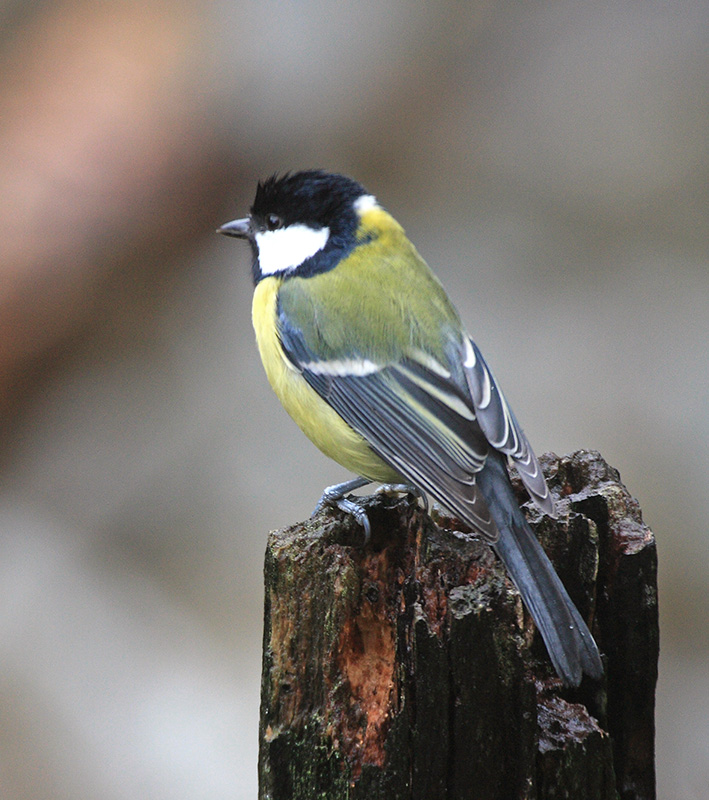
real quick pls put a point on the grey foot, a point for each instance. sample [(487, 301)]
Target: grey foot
[(404, 488), (335, 496)]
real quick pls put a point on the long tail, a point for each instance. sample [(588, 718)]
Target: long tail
[(567, 637)]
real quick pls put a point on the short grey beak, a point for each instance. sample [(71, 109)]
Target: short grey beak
[(238, 227)]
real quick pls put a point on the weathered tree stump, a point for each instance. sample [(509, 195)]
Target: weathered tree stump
[(409, 668)]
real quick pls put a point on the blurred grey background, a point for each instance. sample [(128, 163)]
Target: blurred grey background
[(550, 162)]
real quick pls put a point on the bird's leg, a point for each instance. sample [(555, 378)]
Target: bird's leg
[(405, 488), (335, 496), (337, 491)]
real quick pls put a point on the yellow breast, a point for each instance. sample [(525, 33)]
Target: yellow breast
[(318, 421)]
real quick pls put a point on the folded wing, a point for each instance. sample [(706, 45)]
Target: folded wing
[(433, 422)]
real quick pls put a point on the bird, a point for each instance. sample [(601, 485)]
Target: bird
[(369, 356)]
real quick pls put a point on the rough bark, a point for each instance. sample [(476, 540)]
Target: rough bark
[(409, 668)]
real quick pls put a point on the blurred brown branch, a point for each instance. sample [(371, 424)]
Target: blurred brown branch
[(107, 162)]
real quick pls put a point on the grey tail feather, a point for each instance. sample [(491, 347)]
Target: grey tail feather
[(567, 637)]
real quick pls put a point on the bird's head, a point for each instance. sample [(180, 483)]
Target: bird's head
[(302, 223)]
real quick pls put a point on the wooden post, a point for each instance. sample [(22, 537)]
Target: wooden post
[(409, 669)]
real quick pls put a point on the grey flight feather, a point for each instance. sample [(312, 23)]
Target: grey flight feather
[(501, 427)]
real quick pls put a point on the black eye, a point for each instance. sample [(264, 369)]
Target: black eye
[(273, 222)]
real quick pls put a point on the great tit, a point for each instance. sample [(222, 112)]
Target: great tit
[(368, 355)]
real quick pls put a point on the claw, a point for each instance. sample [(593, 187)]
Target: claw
[(360, 515), (405, 488)]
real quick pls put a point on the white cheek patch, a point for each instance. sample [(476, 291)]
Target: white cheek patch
[(286, 248)]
